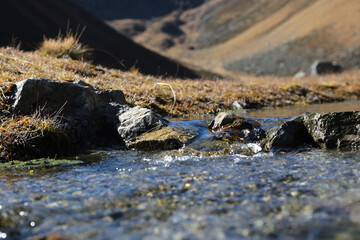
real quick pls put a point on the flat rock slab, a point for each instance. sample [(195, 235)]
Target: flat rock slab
[(167, 138)]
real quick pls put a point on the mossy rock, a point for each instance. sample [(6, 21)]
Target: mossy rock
[(39, 163), (164, 139)]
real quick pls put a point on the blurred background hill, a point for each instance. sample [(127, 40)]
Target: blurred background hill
[(231, 37), (29, 21)]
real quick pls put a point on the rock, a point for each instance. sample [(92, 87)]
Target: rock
[(299, 74), (230, 127), (238, 105), (325, 67), (167, 138), (290, 134), (137, 121), (114, 96), (339, 130), (242, 136), (89, 116), (85, 84), (226, 120)]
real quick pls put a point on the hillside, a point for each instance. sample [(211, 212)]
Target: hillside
[(231, 37), (28, 21), (135, 9)]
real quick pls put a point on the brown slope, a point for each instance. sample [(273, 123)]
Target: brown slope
[(30, 20), (265, 37)]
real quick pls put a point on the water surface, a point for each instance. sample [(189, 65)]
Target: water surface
[(305, 194)]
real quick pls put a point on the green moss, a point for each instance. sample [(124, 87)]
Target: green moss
[(164, 139), (38, 163)]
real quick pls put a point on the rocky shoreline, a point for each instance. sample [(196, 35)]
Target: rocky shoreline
[(91, 118)]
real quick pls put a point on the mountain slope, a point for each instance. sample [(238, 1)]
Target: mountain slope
[(29, 20), (276, 37), (134, 9)]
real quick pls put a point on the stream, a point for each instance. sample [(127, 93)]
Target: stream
[(115, 194)]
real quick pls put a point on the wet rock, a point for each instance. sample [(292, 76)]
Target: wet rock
[(137, 121), (325, 67), (232, 135), (89, 116), (339, 130), (164, 139), (243, 136), (226, 120), (290, 134), (230, 127)]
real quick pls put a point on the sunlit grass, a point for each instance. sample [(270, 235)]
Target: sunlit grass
[(193, 97), (65, 46), (19, 131)]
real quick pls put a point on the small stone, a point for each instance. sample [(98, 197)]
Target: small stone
[(226, 120), (299, 74)]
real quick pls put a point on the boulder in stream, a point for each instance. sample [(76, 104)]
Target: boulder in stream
[(137, 121), (230, 127), (167, 138), (226, 120), (339, 130), (290, 134)]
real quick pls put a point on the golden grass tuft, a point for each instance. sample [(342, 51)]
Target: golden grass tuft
[(65, 46), (19, 131)]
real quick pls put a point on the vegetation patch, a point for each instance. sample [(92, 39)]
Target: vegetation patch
[(20, 135), (65, 46), (37, 163), (173, 97)]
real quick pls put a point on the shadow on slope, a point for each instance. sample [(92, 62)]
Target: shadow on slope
[(28, 21)]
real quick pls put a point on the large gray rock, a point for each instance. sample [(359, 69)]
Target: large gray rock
[(325, 67), (89, 116), (339, 130), (137, 121)]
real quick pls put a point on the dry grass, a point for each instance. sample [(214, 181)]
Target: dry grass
[(65, 46), (19, 131), (192, 96)]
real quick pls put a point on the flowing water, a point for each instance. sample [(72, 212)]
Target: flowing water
[(304, 194)]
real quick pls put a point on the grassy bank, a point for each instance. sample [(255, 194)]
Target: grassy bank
[(192, 96)]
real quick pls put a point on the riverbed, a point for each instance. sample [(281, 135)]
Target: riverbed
[(116, 194)]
